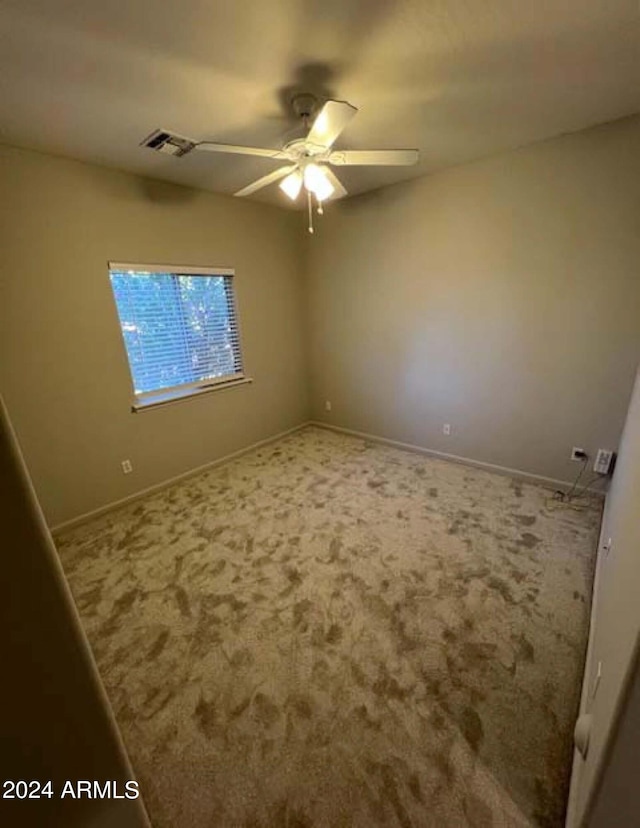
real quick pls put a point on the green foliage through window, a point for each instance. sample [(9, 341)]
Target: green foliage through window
[(178, 329)]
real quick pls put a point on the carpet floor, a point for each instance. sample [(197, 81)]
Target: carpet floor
[(329, 633)]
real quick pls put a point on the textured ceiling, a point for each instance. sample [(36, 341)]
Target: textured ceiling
[(458, 79)]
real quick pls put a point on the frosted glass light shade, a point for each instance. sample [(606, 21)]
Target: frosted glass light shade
[(292, 184), (317, 182)]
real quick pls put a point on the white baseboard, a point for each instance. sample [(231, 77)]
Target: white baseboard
[(374, 438), (117, 504), (528, 477)]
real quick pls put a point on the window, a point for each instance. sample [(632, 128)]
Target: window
[(180, 330)]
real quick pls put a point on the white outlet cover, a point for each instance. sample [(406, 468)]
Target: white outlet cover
[(603, 461), (446, 428)]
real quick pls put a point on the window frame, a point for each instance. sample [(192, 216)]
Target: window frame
[(177, 393)]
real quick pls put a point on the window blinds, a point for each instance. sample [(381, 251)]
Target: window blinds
[(180, 329)]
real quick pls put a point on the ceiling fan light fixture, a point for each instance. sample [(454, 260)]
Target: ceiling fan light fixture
[(317, 182), (292, 184), (309, 158)]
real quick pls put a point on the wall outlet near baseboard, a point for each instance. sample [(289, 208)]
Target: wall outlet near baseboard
[(127, 468), (327, 405), (603, 462), (578, 454), (446, 428)]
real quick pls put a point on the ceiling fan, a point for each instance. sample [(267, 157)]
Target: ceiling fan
[(309, 158)]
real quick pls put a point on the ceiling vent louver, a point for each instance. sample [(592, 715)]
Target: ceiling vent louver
[(168, 143)]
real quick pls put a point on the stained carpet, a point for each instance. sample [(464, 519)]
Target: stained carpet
[(328, 633)]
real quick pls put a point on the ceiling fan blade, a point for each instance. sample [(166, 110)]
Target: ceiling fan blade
[(338, 190), (265, 180), (374, 158), (211, 146), (329, 122)]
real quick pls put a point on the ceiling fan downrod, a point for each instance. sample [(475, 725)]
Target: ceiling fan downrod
[(304, 106)]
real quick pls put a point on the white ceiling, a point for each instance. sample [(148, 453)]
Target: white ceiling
[(458, 79)]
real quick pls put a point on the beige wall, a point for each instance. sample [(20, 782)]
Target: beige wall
[(502, 297), (56, 722), (63, 369), (615, 638)]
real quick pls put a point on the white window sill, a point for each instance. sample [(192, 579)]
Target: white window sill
[(170, 397)]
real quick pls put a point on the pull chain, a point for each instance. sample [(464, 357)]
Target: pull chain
[(310, 210)]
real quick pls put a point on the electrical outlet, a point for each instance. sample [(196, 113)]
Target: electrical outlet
[(578, 454), (127, 468), (604, 459), (606, 547), (446, 428), (327, 405)]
